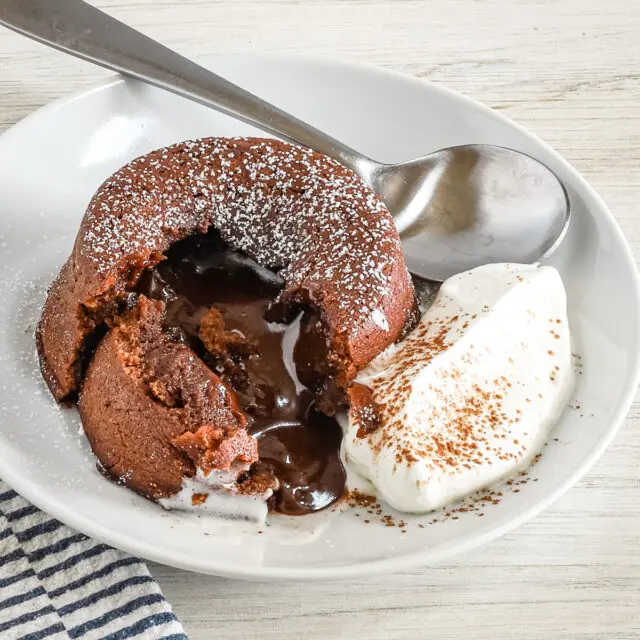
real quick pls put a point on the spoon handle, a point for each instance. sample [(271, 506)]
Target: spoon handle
[(78, 28)]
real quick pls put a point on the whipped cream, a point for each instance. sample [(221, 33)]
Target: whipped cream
[(215, 494), (470, 396)]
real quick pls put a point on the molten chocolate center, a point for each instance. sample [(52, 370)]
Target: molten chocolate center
[(298, 444)]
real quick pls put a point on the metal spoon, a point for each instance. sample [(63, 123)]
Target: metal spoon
[(455, 209)]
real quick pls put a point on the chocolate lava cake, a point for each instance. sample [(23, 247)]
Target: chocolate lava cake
[(221, 297)]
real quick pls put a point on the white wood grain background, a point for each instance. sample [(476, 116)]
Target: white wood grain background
[(570, 71)]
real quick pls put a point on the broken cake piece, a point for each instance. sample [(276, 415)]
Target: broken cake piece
[(156, 415)]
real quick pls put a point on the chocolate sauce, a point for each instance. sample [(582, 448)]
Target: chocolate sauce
[(298, 444)]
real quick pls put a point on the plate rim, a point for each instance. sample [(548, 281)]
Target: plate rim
[(410, 560)]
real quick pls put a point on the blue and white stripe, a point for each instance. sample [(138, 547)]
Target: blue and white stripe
[(56, 583)]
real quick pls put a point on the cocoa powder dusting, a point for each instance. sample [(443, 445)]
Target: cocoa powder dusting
[(466, 418), (371, 510)]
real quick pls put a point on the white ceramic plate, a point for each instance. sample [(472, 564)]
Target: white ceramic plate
[(50, 165)]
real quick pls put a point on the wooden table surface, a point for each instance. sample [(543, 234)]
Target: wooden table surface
[(570, 71)]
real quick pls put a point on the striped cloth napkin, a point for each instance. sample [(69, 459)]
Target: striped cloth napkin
[(57, 583)]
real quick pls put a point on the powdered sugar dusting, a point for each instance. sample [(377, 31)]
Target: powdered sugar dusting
[(25, 402), (380, 319), (288, 207)]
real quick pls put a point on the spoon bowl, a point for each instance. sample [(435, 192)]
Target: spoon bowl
[(469, 205)]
